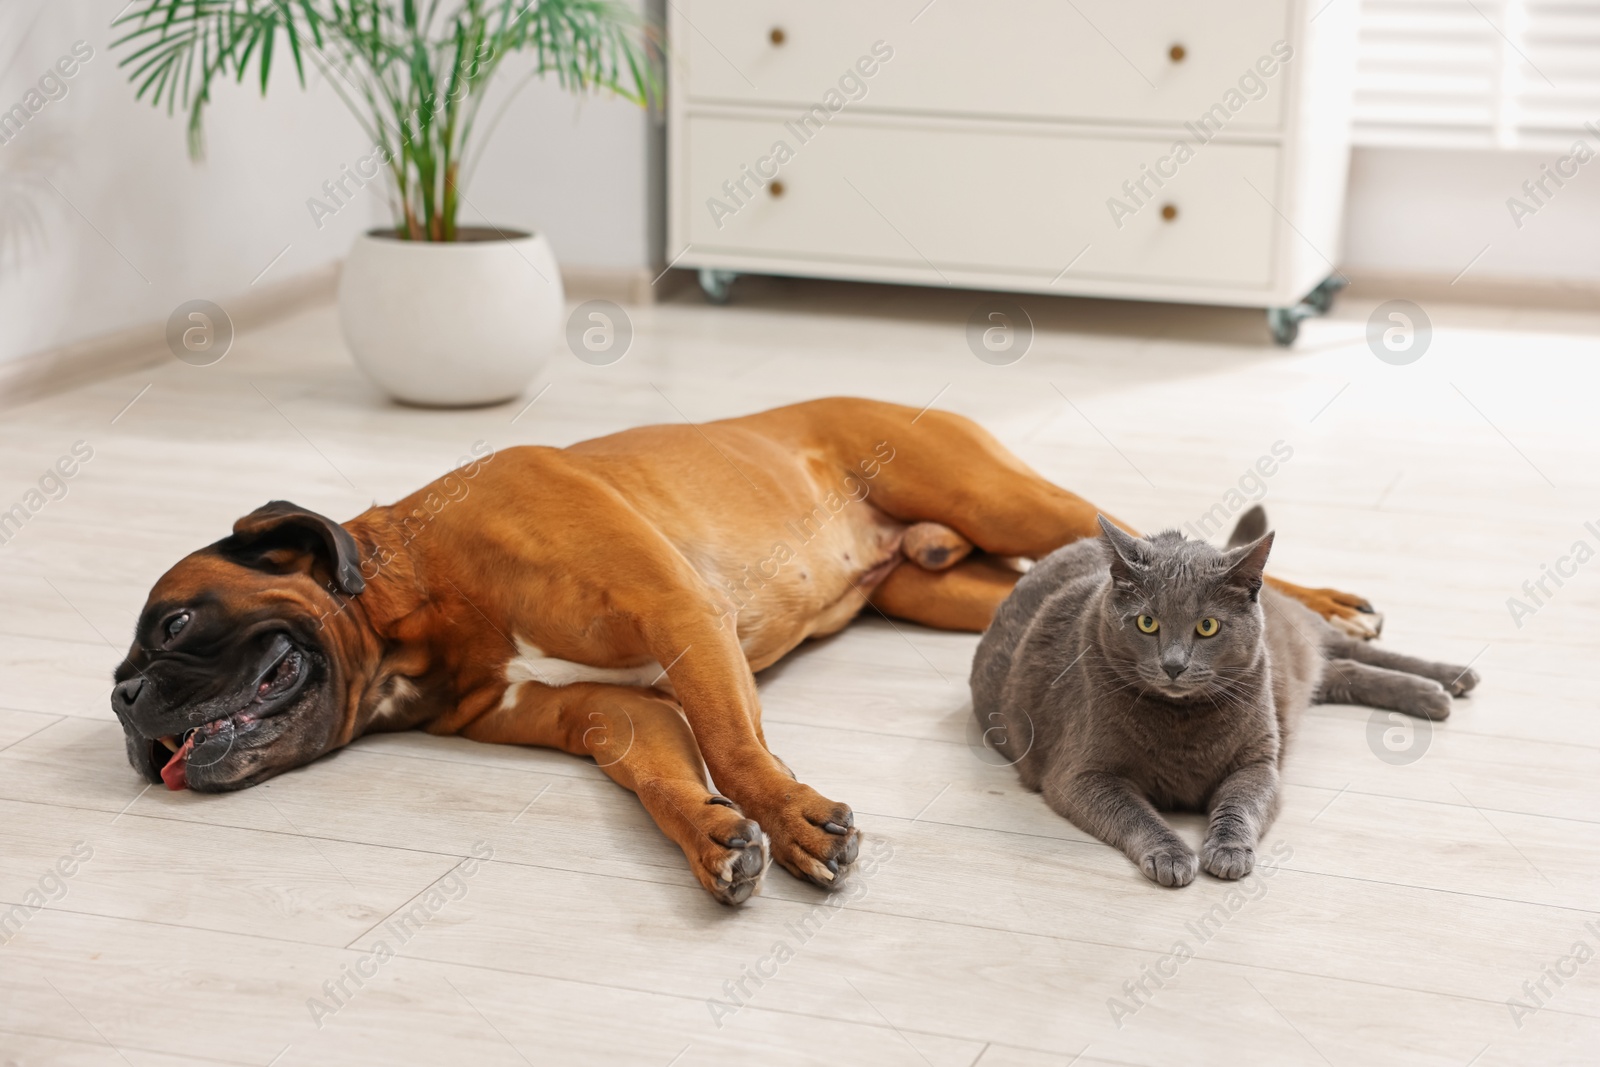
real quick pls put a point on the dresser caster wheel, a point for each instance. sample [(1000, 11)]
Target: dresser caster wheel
[(716, 283), (1284, 324), (1321, 298)]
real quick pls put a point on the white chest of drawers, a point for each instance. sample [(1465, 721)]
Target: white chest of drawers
[(1180, 150)]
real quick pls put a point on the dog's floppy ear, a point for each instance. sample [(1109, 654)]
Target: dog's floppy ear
[(280, 524)]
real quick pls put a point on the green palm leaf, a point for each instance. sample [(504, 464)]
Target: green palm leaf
[(414, 72)]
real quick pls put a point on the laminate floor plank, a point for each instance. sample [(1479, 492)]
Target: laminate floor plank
[(1435, 910)]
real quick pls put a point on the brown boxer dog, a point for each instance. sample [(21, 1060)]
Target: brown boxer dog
[(611, 599)]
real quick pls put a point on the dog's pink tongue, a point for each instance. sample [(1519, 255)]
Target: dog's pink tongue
[(176, 772)]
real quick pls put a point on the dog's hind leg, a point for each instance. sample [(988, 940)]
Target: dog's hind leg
[(1349, 681), (641, 739), (962, 597), (938, 467), (947, 469)]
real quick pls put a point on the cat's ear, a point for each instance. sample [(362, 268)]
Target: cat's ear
[(1126, 557), (1246, 563)]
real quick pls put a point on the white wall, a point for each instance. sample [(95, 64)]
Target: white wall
[(585, 171), (1430, 211), (579, 170), (154, 230)]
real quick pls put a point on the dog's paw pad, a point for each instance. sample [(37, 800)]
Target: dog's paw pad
[(736, 876)]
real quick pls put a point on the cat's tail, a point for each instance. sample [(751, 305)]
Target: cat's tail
[(1252, 526)]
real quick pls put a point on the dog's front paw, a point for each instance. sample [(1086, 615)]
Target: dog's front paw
[(737, 876), (814, 838), (1224, 859), (728, 852), (1170, 864)]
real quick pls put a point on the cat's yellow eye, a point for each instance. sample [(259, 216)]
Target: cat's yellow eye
[(1146, 624), (1207, 627)]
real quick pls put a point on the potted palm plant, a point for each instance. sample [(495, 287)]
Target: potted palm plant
[(436, 312)]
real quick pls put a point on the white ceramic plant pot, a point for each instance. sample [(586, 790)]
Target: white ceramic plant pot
[(452, 324)]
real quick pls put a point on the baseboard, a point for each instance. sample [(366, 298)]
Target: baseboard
[(58, 369), (1555, 294), (144, 345), (622, 285)]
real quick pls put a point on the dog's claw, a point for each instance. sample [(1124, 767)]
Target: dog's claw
[(817, 874)]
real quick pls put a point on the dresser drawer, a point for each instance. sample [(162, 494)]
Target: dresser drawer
[(1089, 60), (1024, 204)]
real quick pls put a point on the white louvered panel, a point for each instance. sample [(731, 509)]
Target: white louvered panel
[(1428, 73), (1562, 43), (1477, 73)]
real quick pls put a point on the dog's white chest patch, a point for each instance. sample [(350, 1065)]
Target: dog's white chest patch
[(530, 664), (400, 692)]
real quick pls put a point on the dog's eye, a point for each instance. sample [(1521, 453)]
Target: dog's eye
[(1146, 624), (1207, 627), (176, 624)]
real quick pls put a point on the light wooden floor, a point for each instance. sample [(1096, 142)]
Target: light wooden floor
[(1408, 904)]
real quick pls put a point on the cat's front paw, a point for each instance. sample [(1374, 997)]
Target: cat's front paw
[(1224, 860), (1427, 700), (1462, 682), (1171, 864)]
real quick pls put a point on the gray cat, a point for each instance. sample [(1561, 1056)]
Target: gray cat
[(1125, 675)]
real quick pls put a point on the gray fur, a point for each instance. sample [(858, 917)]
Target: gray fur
[(1112, 724), (1252, 526)]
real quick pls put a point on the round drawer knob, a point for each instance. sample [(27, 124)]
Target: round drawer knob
[(1177, 53), (1169, 211), (777, 35), (775, 189)]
